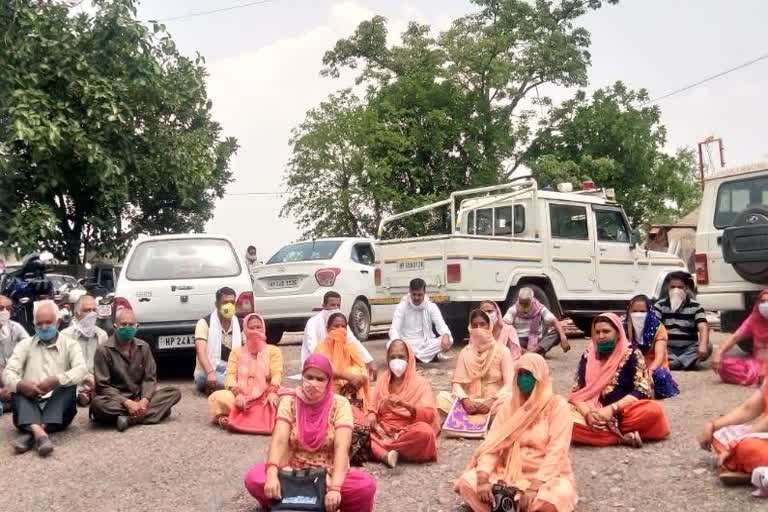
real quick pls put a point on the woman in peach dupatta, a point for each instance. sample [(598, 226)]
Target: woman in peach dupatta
[(249, 401), (350, 375), (613, 391), (504, 333), (484, 371), (402, 414), (527, 447)]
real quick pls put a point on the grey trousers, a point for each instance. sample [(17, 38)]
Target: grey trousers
[(105, 409), (685, 357), (55, 412), (546, 343)]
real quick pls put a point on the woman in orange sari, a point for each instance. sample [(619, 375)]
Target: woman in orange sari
[(504, 333), (249, 401), (527, 447), (402, 415), (613, 391)]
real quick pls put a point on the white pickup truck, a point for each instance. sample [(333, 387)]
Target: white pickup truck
[(574, 249)]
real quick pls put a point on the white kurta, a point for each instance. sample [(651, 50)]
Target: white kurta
[(416, 325), (316, 330)]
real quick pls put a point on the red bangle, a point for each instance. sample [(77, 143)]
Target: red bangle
[(271, 465)]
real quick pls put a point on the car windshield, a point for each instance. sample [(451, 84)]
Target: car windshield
[(187, 258), (734, 197), (306, 251)]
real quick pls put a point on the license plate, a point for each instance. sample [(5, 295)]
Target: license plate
[(410, 266), (277, 284), (177, 341), (104, 310)]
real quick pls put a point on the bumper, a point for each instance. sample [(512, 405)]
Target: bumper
[(151, 331), (721, 301)]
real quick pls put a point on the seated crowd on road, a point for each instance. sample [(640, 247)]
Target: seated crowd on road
[(343, 412)]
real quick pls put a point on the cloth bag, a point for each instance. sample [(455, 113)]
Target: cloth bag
[(302, 490)]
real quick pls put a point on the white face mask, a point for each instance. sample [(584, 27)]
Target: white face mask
[(5, 317), (398, 366), (87, 324), (638, 322), (763, 309), (676, 298), (492, 316)]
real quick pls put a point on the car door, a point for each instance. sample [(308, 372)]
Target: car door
[(362, 264), (571, 247), (616, 266)]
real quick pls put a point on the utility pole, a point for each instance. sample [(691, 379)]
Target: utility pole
[(705, 145)]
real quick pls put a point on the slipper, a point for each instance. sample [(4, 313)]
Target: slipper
[(732, 478)]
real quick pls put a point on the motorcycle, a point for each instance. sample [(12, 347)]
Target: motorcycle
[(26, 285)]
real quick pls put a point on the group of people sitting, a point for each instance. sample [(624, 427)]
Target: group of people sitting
[(338, 416), (46, 376)]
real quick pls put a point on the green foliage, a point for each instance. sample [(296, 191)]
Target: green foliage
[(619, 144), (105, 131), (440, 113)]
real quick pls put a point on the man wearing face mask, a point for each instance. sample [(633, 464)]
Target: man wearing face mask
[(43, 374), (317, 329), (126, 380), (11, 333), (415, 321), (538, 329), (90, 337), (215, 336), (686, 323)]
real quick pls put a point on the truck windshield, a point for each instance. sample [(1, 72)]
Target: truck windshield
[(734, 197), (306, 251)]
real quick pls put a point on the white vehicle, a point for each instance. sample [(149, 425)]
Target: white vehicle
[(574, 249), (732, 241), (288, 289), (170, 282)]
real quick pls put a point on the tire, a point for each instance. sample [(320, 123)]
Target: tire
[(745, 245), (275, 334), (360, 320), (459, 329), (584, 323)]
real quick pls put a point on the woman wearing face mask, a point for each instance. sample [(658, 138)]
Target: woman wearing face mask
[(527, 447), (613, 390), (484, 373), (746, 371), (249, 401), (646, 333), (314, 430), (402, 415), (504, 333)]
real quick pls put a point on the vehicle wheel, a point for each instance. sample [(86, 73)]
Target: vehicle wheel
[(745, 245), (360, 320), (459, 329), (584, 323), (274, 334)]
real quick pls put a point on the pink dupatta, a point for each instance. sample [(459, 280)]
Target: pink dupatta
[(313, 417), (252, 379), (507, 334)]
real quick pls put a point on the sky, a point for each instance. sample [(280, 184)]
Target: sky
[(264, 62)]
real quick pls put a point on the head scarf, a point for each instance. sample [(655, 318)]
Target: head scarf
[(600, 372), (475, 360), (252, 371), (645, 341), (414, 389), (507, 334), (756, 327), (343, 355), (313, 417), (516, 415)]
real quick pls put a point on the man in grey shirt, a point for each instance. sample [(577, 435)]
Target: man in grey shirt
[(90, 337), (11, 333)]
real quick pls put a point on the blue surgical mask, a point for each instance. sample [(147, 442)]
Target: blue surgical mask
[(46, 333)]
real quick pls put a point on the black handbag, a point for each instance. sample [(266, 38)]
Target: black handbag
[(504, 497), (301, 490)]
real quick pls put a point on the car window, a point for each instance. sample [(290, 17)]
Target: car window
[(186, 258), (502, 225), (306, 251), (736, 196), (484, 225), (611, 226), (568, 221), (363, 254)]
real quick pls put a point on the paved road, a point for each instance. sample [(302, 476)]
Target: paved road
[(188, 465)]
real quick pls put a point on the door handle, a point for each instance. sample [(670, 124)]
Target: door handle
[(603, 249), (364, 272), (555, 246)]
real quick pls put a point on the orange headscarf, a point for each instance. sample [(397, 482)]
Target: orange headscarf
[(414, 389), (343, 356), (600, 372), (475, 359), (516, 415)]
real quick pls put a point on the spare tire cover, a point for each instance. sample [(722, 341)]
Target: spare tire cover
[(745, 244)]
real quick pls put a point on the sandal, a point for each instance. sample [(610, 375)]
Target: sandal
[(732, 478), (223, 421), (632, 439)]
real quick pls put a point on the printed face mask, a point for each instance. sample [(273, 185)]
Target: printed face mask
[(398, 366), (87, 324), (227, 310)]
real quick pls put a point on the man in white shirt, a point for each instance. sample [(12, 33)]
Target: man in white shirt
[(415, 321), (90, 337), (11, 333), (537, 328), (317, 329)]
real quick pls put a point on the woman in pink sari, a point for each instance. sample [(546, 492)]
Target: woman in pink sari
[(504, 333), (249, 401), (746, 371), (314, 430)]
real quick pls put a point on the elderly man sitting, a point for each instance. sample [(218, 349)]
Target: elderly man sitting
[(126, 379), (89, 336), (42, 374)]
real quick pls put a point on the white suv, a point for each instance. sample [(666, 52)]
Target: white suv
[(732, 241), (289, 288), (170, 282)]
